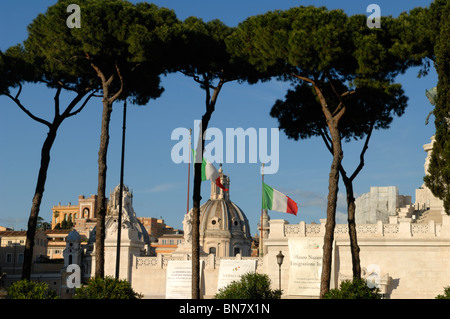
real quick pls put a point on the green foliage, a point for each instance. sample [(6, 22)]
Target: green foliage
[(106, 288), (250, 286), (25, 289), (310, 41), (42, 225), (446, 294), (301, 117), (340, 54), (201, 53), (438, 179), (115, 36), (66, 224), (356, 289)]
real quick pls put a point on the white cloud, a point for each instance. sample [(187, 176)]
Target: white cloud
[(161, 188)]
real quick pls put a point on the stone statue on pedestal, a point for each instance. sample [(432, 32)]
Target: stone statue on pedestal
[(187, 227)]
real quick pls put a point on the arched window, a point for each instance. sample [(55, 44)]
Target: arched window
[(237, 251), (86, 213)]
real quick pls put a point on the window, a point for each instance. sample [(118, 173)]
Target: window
[(8, 258), (212, 250), (20, 258), (236, 251)]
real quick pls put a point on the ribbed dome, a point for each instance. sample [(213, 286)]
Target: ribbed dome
[(224, 228), (223, 215)]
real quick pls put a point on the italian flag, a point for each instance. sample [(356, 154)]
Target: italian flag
[(209, 172), (274, 200)]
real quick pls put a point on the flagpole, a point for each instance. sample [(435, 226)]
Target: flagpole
[(189, 171), (119, 219), (261, 252)]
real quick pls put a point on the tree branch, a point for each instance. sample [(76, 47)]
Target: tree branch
[(115, 96), (31, 115), (327, 140), (303, 78), (56, 98), (83, 105), (20, 90), (361, 156), (322, 99), (348, 93), (97, 69), (341, 112)]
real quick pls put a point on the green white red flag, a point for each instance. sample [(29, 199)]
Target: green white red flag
[(209, 172), (275, 200)]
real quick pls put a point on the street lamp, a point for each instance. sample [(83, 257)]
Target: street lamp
[(280, 258)]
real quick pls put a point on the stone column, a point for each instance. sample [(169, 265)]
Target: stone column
[(404, 227), (445, 229)]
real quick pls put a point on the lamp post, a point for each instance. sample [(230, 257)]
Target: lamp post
[(280, 258), (119, 219)]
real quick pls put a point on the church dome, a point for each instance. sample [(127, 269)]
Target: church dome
[(73, 236), (223, 215), (224, 228)]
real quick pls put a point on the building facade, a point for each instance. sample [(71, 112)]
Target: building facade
[(81, 216), (12, 247)]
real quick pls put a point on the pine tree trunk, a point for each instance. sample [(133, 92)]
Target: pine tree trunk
[(196, 231), (196, 196), (354, 248), (37, 199), (101, 191), (333, 188)]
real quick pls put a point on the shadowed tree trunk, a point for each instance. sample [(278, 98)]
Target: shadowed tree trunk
[(332, 119), (196, 196), (108, 100), (101, 191), (351, 207), (37, 199), (44, 164), (333, 189)]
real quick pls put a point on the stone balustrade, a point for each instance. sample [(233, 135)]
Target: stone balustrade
[(210, 261), (398, 228)]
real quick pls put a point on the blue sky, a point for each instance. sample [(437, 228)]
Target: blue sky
[(395, 156)]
